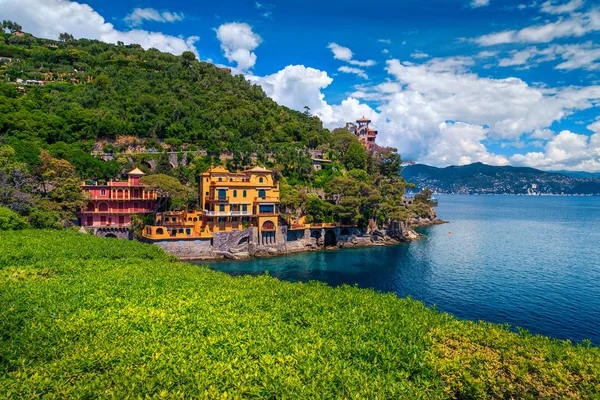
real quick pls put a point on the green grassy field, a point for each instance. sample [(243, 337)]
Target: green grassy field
[(87, 317)]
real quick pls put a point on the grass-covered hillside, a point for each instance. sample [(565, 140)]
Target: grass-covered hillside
[(84, 317)]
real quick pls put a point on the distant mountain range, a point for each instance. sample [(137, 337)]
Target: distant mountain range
[(480, 178)]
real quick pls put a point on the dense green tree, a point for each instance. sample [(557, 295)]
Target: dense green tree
[(172, 194), (10, 220), (355, 156), (316, 209), (11, 26), (65, 37), (163, 165), (45, 219)]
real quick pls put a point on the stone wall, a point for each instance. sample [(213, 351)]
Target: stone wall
[(112, 232), (188, 249), (250, 243)]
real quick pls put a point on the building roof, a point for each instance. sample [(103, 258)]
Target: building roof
[(219, 169), (258, 169), (363, 119), (135, 171)]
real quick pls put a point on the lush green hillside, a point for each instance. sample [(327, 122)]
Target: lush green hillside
[(100, 90), (481, 178), (82, 316)]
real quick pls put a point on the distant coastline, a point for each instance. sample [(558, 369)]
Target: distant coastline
[(485, 179)]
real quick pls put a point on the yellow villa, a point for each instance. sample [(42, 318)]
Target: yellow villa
[(229, 202), (236, 200)]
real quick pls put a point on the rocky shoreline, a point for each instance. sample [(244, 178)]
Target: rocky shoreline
[(400, 233)]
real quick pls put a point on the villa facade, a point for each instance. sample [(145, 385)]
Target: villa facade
[(232, 201), (110, 206)]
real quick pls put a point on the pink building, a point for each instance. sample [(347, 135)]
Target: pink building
[(110, 206)]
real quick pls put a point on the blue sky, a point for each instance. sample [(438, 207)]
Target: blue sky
[(444, 81)]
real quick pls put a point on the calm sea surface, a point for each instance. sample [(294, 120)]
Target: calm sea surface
[(532, 262)]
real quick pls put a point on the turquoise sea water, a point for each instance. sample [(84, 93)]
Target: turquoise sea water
[(532, 262)]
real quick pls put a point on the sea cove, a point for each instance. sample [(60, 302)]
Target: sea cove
[(528, 261)]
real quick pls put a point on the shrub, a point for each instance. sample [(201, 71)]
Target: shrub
[(45, 219), (10, 220)]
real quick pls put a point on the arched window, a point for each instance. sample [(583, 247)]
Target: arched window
[(244, 193), (103, 207), (268, 225), (160, 231), (262, 193), (222, 193), (102, 192), (235, 193), (91, 207), (261, 179)]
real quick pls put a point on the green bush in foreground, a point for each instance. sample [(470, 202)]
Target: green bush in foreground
[(10, 220), (86, 317)]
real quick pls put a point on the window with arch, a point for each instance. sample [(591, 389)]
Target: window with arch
[(261, 179), (102, 192), (160, 231), (244, 193), (268, 225), (262, 193), (235, 193)]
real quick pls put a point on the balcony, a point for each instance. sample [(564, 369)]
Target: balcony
[(218, 198), (267, 199), (227, 213)]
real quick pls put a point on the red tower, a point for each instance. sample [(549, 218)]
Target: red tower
[(365, 134)]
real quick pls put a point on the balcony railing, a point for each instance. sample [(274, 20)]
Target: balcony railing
[(119, 211), (218, 198), (270, 199), (226, 213), (108, 197)]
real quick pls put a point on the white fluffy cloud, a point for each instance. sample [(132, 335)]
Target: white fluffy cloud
[(419, 54), (345, 54), (552, 7), (460, 144), (296, 86), (594, 127), (352, 70), (576, 25), (572, 56), (238, 42), (49, 18), (139, 15), (565, 151), (479, 3)]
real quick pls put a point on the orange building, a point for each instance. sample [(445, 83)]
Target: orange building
[(236, 200)]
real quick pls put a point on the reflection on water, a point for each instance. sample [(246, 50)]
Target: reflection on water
[(528, 261)]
